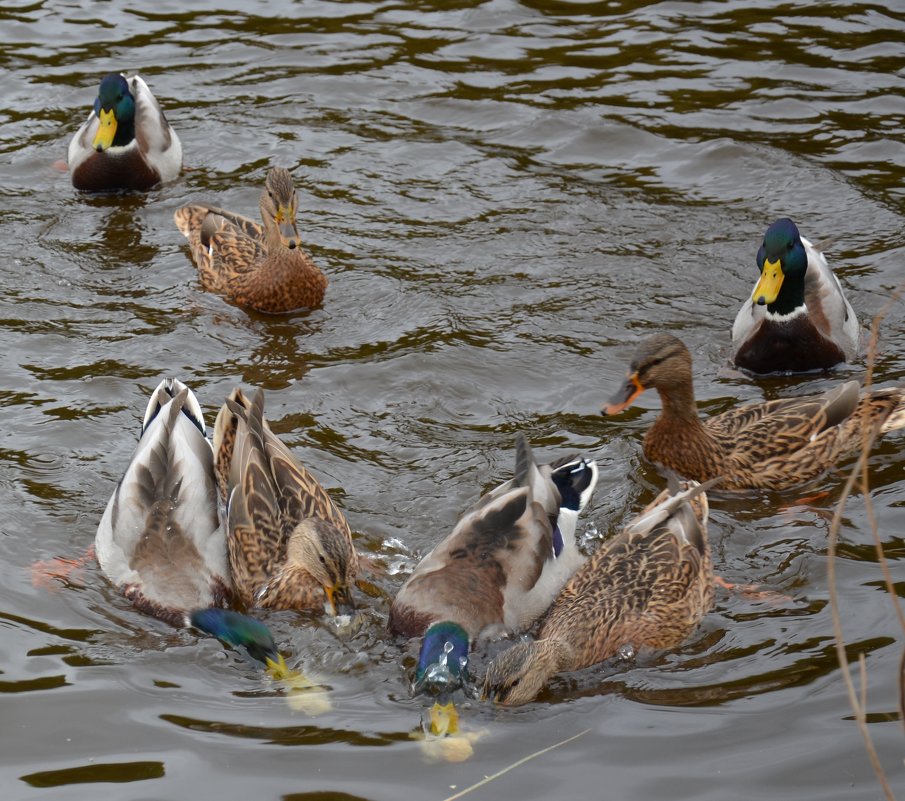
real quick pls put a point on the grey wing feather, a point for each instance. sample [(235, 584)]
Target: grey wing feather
[(823, 291)]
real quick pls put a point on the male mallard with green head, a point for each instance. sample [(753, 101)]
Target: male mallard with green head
[(126, 142), (797, 317), (160, 540), (499, 568)]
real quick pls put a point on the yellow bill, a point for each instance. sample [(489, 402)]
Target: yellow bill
[(106, 130), (767, 289), (443, 741), (303, 694), (444, 719)]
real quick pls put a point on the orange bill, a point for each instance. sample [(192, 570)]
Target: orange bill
[(625, 396)]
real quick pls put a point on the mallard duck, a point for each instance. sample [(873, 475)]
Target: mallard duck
[(289, 546), (766, 445), (648, 586), (126, 142), (498, 570), (160, 540), (260, 268), (797, 318)]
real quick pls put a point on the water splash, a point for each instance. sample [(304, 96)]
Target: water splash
[(589, 535), (438, 675), (626, 652)]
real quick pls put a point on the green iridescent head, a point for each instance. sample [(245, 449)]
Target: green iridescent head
[(238, 630), (443, 660), (783, 262), (115, 110)]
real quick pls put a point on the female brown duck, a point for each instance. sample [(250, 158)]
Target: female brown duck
[(649, 586), (289, 546), (261, 268), (769, 445)]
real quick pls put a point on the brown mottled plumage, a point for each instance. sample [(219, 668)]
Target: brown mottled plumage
[(260, 268), (289, 546), (767, 445), (648, 586)]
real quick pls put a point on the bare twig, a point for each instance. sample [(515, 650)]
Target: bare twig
[(902, 688), (859, 705), (522, 761)]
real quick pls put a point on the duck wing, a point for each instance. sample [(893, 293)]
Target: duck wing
[(783, 425), (827, 305), (484, 574), (156, 139), (257, 536), (300, 495)]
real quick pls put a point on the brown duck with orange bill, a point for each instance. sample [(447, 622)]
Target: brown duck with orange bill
[(259, 267), (767, 445), (289, 546)]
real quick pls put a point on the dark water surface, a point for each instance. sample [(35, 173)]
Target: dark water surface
[(506, 197)]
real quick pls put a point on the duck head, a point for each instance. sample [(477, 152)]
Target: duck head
[(783, 262), (238, 630), (115, 110), (661, 362), (279, 205), (443, 659), (321, 549)]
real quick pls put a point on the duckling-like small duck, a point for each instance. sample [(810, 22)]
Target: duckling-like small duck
[(262, 268), (498, 570), (797, 317), (289, 546), (126, 142), (647, 587), (762, 445)]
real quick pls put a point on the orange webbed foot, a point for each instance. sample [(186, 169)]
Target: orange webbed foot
[(753, 592), (46, 572)]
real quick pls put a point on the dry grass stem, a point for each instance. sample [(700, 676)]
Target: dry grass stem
[(522, 761), (859, 473)]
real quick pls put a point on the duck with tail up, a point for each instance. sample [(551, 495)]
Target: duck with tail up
[(289, 545), (797, 318), (160, 540), (498, 570), (648, 586), (761, 445), (262, 268), (126, 142)]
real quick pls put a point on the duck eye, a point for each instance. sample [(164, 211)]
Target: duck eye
[(323, 561)]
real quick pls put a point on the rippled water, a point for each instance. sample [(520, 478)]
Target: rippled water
[(506, 197)]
